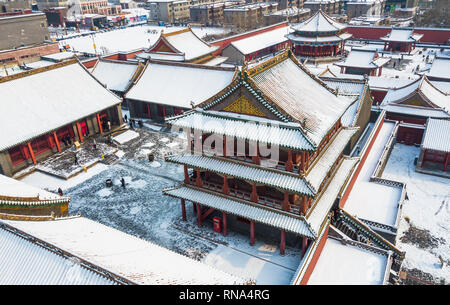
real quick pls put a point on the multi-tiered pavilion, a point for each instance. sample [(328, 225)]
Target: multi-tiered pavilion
[(319, 36), (266, 153)]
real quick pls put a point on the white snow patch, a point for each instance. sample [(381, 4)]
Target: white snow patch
[(106, 192), (126, 137)]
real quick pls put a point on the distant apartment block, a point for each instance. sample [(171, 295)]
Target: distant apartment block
[(173, 10), (14, 5), (357, 8), (23, 29), (211, 14), (330, 7), (291, 14), (248, 16)]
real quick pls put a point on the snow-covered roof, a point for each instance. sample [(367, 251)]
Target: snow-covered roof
[(374, 201), (185, 41), (289, 182), (319, 22), (345, 264), (345, 86), (15, 189), (440, 68), (322, 166), (48, 99), (116, 75), (318, 39), (179, 85), (261, 41), (385, 83), (442, 86), (244, 127), (437, 135), (321, 208), (363, 59), (58, 56), (351, 89), (28, 263), (423, 89), (271, 217), (302, 97), (402, 35), (133, 258), (416, 111)]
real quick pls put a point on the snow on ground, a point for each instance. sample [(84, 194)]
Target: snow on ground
[(408, 69), (427, 209), (140, 209), (369, 200), (125, 137), (127, 39), (340, 264)]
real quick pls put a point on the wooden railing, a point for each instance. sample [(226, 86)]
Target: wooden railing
[(240, 194)]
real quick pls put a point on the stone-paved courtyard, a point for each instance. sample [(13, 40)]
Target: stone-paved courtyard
[(142, 210)]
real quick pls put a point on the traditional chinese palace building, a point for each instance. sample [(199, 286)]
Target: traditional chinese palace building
[(435, 147), (20, 201), (43, 106), (361, 62), (182, 46), (277, 103), (412, 105), (165, 88), (319, 36), (401, 40)]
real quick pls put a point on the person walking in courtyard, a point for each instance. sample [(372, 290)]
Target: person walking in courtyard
[(75, 159), (123, 182), (60, 192), (125, 118)]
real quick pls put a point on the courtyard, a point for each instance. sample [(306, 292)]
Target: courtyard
[(140, 208)]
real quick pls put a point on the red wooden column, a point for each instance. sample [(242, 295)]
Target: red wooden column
[(31, 152), (199, 215), (148, 110), (225, 188), (100, 129), (283, 242), (80, 136), (305, 204), (446, 161), (252, 232), (57, 142), (285, 204), (304, 246), (225, 225), (183, 209), (302, 161), (164, 111), (186, 175), (198, 180), (289, 165), (423, 158), (254, 194)]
